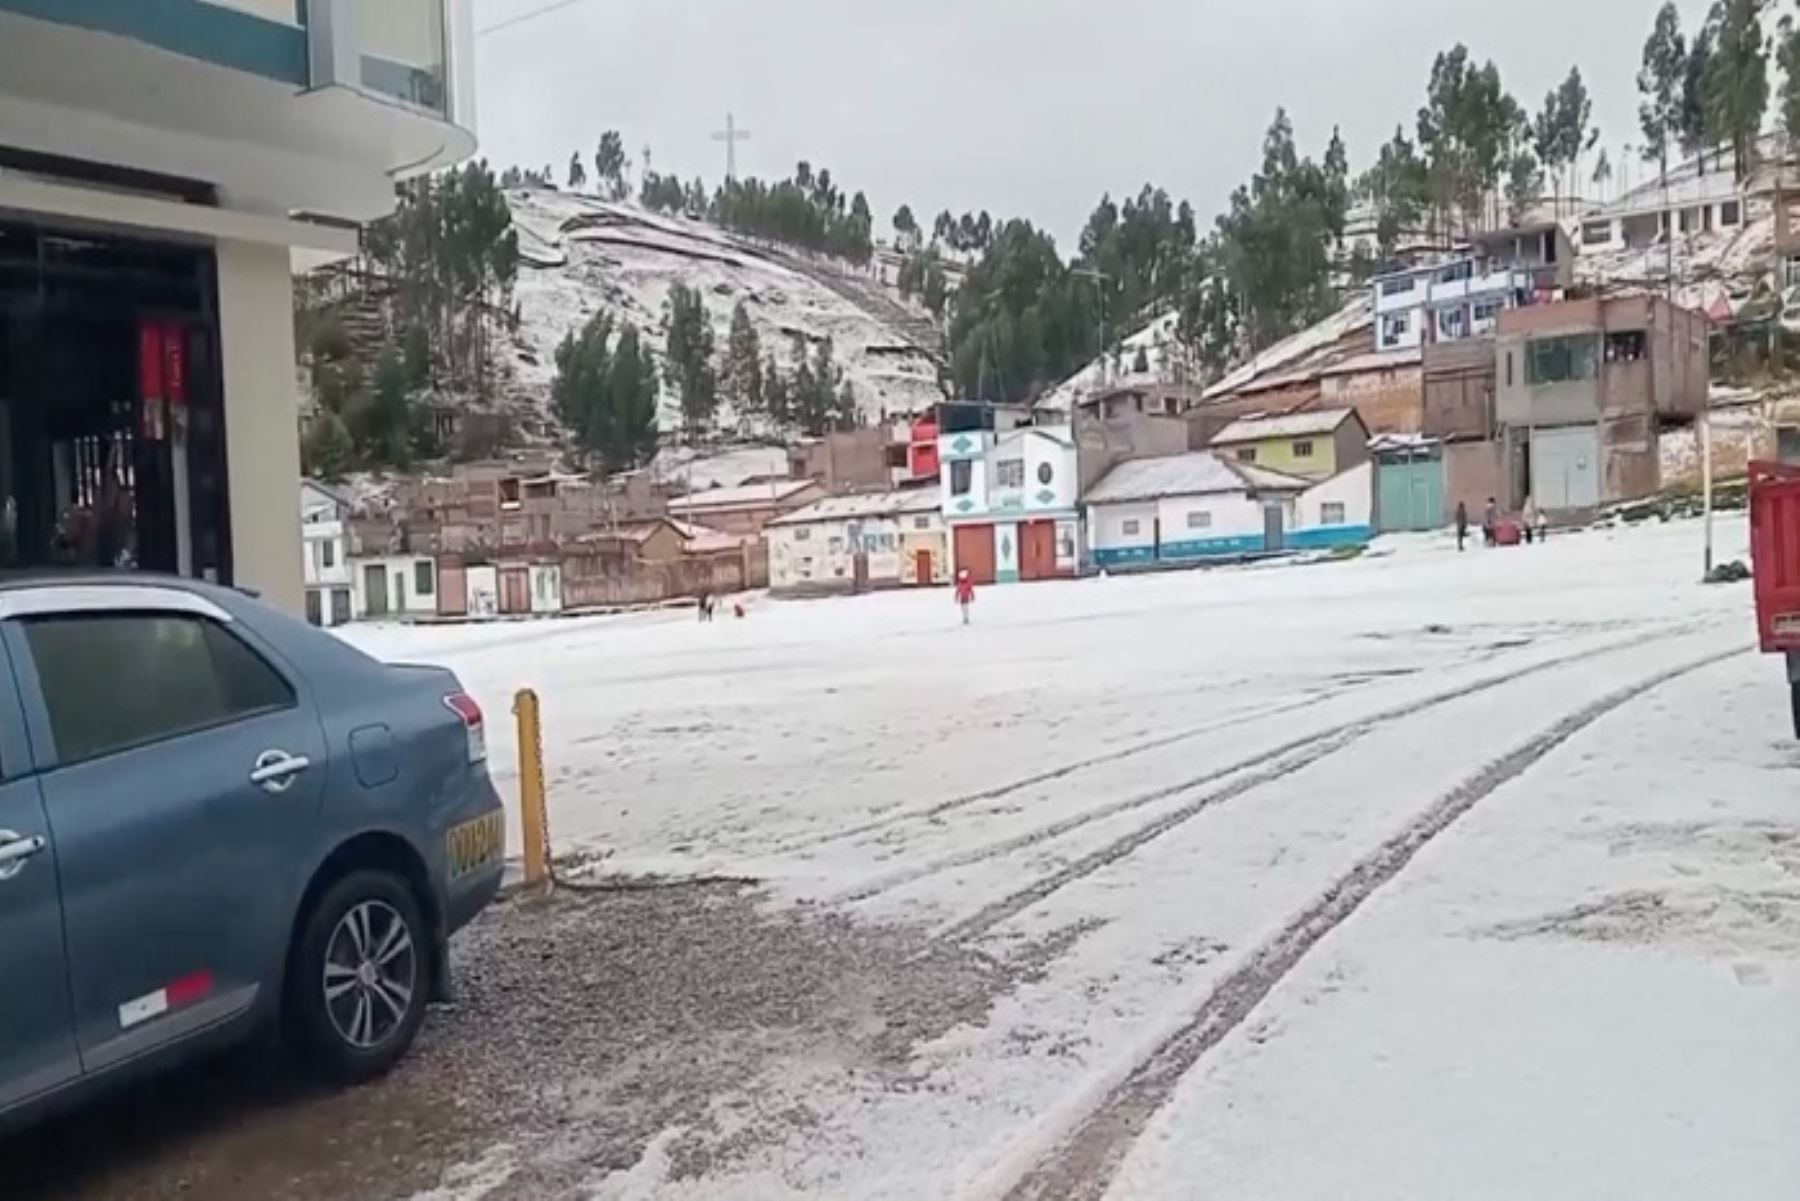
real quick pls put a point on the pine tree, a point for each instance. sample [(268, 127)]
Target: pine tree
[(1695, 128), (1603, 174), (1660, 83), (777, 394), (386, 421), (1524, 186), (1736, 78), (1789, 101), (610, 166), (577, 173), (326, 452), (605, 392), (743, 375), (688, 358), (906, 227)]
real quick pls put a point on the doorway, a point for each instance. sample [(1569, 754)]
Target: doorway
[(112, 445), (375, 594), (1274, 529), (922, 572)]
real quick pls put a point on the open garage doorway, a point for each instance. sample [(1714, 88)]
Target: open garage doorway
[(112, 440)]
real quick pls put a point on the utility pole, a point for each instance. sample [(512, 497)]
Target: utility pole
[(1706, 480), (731, 135)]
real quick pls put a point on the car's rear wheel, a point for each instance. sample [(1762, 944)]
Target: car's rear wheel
[(357, 987)]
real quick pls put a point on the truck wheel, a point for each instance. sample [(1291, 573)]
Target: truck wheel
[(1794, 697), (359, 978)]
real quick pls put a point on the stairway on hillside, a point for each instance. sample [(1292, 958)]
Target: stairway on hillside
[(916, 328)]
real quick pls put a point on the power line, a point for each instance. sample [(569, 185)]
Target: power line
[(532, 15)]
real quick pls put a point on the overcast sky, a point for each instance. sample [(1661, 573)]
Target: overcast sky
[(1023, 107)]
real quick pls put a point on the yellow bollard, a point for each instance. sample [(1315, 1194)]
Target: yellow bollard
[(532, 816)]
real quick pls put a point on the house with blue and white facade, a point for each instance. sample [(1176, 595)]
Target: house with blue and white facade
[(1200, 506), (1009, 501)]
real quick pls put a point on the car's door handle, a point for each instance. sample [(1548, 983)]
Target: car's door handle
[(14, 851), (275, 770)]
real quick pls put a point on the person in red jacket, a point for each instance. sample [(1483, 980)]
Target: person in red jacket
[(965, 592)]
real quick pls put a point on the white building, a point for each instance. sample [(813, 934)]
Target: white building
[(1446, 302), (400, 585), (855, 543), (324, 555), (1183, 509), (162, 165), (1691, 203), (1009, 500)]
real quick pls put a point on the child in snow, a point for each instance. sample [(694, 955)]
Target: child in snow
[(965, 592)]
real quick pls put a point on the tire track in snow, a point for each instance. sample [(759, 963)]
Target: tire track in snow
[(931, 812), (1084, 1162), (1264, 768), (939, 808)]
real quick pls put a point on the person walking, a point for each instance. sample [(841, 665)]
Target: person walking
[(1490, 524), (965, 592), (1543, 528), (1529, 519), (1462, 524)]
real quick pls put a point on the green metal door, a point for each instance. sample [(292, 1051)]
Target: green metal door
[(1412, 493)]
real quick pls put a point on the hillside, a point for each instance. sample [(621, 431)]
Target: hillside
[(581, 255)]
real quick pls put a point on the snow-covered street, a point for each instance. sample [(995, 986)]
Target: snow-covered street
[(1425, 875)]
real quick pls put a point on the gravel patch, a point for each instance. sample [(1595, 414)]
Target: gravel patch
[(586, 1025)]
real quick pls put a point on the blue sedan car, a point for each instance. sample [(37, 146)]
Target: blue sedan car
[(215, 819)]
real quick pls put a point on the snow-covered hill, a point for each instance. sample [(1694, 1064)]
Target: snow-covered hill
[(582, 255)]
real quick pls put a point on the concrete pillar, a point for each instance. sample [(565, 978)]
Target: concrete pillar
[(262, 443)]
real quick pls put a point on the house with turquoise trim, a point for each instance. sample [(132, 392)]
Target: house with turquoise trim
[(1192, 508), (1009, 500)]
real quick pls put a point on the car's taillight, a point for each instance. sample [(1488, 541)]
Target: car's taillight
[(464, 706)]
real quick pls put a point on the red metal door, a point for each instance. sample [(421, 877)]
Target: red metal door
[(922, 572), (975, 552), (1775, 552), (1037, 550)]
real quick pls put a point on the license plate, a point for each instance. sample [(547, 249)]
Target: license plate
[(476, 844), (1787, 623)]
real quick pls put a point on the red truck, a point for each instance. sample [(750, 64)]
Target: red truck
[(1775, 551)]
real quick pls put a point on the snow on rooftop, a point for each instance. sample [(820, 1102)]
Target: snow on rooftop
[(1156, 340), (1197, 473), (1356, 315), (745, 495), (865, 505), (1287, 425)]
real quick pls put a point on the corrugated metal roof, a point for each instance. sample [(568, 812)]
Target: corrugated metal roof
[(865, 505), (1288, 425), (1197, 473)]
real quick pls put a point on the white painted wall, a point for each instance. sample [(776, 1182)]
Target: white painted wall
[(546, 588), (1232, 515), (824, 552), (481, 586), (1109, 526), (404, 597), (1353, 489), (262, 445)]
